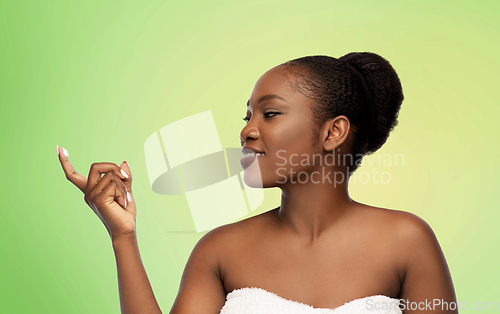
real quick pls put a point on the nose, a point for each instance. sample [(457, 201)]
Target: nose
[(249, 132)]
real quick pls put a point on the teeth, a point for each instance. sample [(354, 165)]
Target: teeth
[(253, 154)]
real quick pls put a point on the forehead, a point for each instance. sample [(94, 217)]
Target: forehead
[(276, 81), (276, 78)]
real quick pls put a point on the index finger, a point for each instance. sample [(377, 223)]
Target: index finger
[(77, 179)]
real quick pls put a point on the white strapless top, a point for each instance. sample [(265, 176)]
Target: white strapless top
[(259, 301)]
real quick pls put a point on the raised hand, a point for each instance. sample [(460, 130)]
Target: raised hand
[(110, 196)]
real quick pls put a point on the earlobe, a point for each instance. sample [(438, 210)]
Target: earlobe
[(328, 146), (331, 143)]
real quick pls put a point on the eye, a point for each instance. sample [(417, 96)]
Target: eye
[(267, 115), (272, 113)]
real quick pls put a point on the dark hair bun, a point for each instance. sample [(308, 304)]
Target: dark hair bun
[(385, 90), (345, 86)]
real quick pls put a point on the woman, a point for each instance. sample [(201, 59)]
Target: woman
[(309, 122)]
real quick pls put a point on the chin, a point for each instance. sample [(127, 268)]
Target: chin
[(252, 176), (253, 179)]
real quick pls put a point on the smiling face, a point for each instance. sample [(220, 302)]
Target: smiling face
[(279, 124)]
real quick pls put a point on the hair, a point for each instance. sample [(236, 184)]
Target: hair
[(337, 89)]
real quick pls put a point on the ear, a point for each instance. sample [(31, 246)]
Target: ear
[(334, 132)]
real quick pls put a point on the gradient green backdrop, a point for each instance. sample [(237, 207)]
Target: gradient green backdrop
[(98, 77)]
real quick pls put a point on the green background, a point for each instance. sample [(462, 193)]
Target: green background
[(98, 77)]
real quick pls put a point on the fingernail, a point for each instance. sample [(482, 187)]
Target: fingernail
[(125, 203), (124, 173), (129, 197), (65, 152), (57, 150)]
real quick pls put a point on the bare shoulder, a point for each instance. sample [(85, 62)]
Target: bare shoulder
[(401, 224), (411, 238), (403, 235), (202, 289), (219, 240), (414, 250), (411, 229)]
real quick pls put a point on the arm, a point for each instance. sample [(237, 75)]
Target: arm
[(136, 294), (201, 289), (427, 281), (111, 199)]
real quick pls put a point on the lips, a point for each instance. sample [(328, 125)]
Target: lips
[(249, 156), (253, 154), (248, 149)]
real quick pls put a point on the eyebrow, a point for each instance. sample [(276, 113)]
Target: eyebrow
[(267, 97)]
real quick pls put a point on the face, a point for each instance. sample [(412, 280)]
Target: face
[(280, 126)]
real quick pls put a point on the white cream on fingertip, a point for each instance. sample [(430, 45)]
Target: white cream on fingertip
[(124, 173)]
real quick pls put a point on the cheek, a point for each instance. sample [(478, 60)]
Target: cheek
[(292, 141), (295, 153)]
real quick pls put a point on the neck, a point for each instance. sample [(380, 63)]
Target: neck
[(309, 209)]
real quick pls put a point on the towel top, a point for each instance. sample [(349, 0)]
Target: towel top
[(259, 301)]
